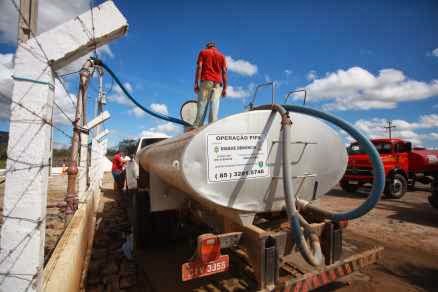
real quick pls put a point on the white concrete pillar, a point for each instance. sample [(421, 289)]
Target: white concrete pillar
[(25, 200), (24, 206)]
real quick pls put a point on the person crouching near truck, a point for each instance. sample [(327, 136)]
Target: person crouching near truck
[(210, 82), (118, 171)]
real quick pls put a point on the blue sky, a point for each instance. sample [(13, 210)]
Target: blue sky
[(365, 61)]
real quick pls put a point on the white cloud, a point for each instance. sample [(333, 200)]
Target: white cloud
[(374, 128), (62, 99), (431, 136), (241, 67), (167, 127), (162, 130), (120, 97), (50, 14), (6, 85), (105, 50), (137, 112), (287, 72), (237, 92), (160, 108), (67, 102), (312, 75), (152, 134), (358, 89), (435, 52)]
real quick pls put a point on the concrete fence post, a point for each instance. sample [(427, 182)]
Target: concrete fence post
[(25, 200), (24, 206)]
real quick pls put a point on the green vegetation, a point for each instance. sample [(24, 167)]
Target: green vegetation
[(3, 148)]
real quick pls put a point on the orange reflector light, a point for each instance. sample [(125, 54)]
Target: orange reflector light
[(209, 248), (208, 259)]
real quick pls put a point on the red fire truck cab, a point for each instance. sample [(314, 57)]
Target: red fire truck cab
[(403, 166)]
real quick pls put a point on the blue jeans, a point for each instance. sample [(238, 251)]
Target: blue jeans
[(209, 93)]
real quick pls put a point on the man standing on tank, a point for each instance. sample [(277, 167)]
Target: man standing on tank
[(210, 82)]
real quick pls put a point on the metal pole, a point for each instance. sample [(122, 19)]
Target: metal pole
[(389, 127), (71, 198), (101, 97)]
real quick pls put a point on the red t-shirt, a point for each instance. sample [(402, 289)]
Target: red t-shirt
[(117, 163), (213, 64)]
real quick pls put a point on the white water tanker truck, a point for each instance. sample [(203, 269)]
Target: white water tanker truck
[(254, 180)]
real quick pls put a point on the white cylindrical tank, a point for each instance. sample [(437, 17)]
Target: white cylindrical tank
[(236, 161)]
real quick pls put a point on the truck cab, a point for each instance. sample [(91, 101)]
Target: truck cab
[(394, 154)]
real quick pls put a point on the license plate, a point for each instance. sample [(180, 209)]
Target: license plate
[(353, 182), (196, 269)]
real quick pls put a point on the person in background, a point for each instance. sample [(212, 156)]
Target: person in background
[(210, 82), (131, 174), (117, 171), (131, 178)]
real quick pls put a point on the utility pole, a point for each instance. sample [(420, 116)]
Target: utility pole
[(71, 198), (27, 22), (389, 128), (101, 99)]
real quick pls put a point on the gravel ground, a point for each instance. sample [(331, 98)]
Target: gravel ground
[(407, 228)]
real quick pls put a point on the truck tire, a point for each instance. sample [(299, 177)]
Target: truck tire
[(396, 186), (433, 199), (349, 188)]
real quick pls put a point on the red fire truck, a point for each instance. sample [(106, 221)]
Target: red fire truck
[(404, 165)]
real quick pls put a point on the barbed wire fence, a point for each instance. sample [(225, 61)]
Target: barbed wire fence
[(61, 123)]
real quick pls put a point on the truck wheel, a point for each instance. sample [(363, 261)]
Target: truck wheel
[(349, 188), (433, 199), (396, 186)]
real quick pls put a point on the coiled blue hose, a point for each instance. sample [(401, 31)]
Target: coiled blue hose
[(152, 113), (365, 143)]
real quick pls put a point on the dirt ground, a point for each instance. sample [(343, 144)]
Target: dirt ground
[(408, 230)]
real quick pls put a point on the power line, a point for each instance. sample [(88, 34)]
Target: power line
[(389, 128), (64, 87), (37, 115), (63, 112)]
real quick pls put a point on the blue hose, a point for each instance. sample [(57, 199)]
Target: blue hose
[(152, 113), (365, 143)]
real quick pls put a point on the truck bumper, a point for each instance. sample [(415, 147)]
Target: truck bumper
[(331, 273), (357, 179)]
